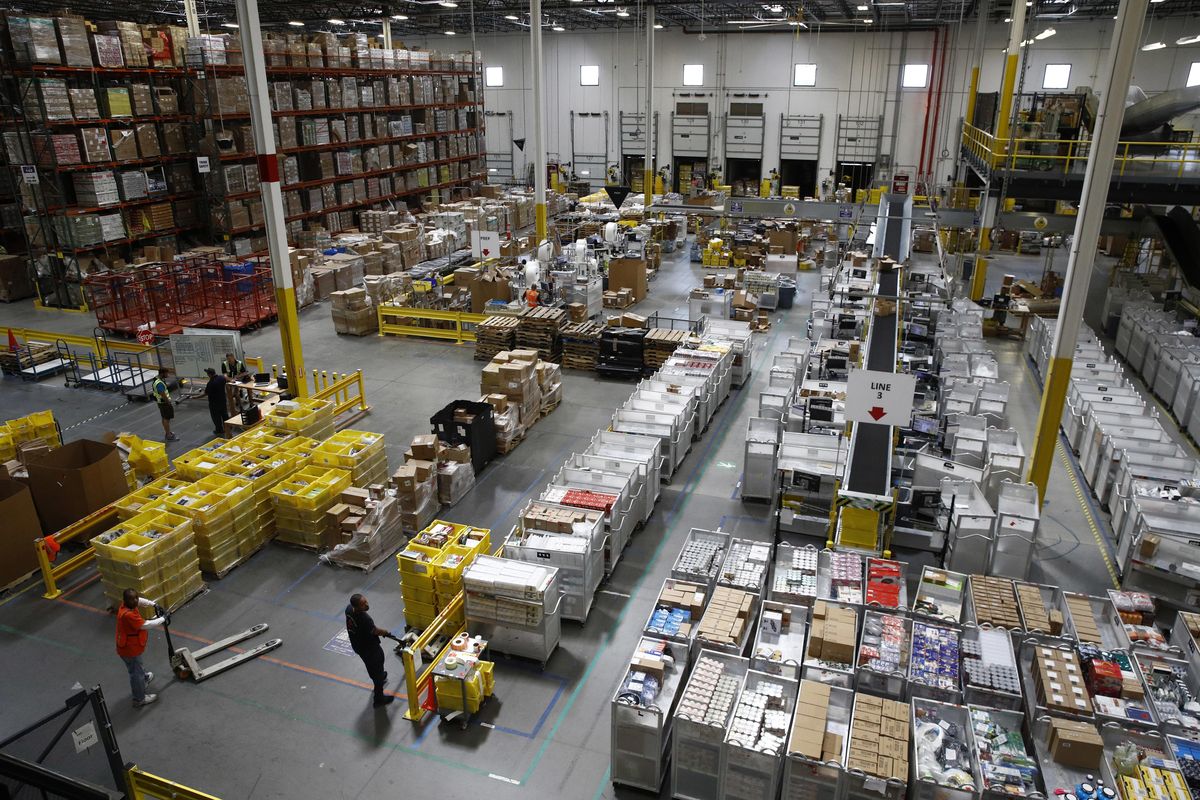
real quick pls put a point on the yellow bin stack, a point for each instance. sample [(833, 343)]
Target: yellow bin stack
[(360, 452), (431, 567), (147, 459), (37, 428), (152, 495), (479, 684), (204, 460), (221, 510), (301, 501), (301, 447), (152, 552), (263, 468), (303, 417)]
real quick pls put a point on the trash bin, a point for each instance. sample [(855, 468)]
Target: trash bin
[(467, 422), (787, 293)]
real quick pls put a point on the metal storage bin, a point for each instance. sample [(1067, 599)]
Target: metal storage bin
[(740, 339), (643, 504), (679, 630), (681, 409), (954, 722), (1010, 724), (751, 770), (1034, 708), (619, 520), (760, 465), (935, 681), (1016, 530), (809, 779), (579, 558), (884, 647), (1134, 465), (1163, 565), (525, 621), (779, 644), (746, 565), (840, 577), (940, 595), (1168, 680), (995, 680), (794, 575), (641, 723), (1056, 775), (1143, 454), (841, 675), (701, 557), (663, 426), (810, 466), (700, 723), (876, 567), (970, 527), (691, 389), (635, 447)]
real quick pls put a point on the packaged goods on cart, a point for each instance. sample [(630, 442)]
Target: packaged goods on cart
[(711, 692), (995, 602), (1113, 682), (746, 565), (761, 718), (845, 577), (701, 557), (796, 578), (1005, 763), (935, 656), (1168, 682), (988, 662), (883, 583), (679, 606), (884, 645), (1145, 774), (1137, 612), (1059, 681), (943, 754), (646, 675), (879, 737), (831, 639)]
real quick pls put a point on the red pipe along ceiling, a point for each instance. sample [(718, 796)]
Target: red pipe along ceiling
[(937, 107), (928, 102)]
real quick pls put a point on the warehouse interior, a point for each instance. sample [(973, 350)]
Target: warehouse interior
[(832, 435)]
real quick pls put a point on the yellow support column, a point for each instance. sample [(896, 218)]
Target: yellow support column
[(1054, 395), (979, 278), (972, 90), (1016, 33)]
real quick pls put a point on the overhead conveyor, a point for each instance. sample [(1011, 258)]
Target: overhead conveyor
[(866, 501)]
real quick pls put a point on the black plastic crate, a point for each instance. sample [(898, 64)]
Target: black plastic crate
[(477, 434)]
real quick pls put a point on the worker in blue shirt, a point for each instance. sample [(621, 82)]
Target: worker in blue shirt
[(166, 408)]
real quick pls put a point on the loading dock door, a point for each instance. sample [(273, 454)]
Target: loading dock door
[(498, 134), (633, 146), (744, 127), (858, 147), (690, 133), (589, 146), (800, 151)]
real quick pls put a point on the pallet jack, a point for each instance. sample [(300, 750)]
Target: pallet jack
[(186, 664)]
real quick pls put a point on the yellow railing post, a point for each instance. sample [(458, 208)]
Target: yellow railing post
[(52, 590), (362, 394), (414, 681)]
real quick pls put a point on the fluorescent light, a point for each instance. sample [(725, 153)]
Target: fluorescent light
[(296, 24), (399, 17), (513, 17), (757, 21), (622, 12), (448, 3), (863, 8), (1008, 19), (658, 26), (1046, 34), (336, 21), (1188, 39), (1153, 46), (558, 29), (228, 24), (891, 5), (868, 21), (448, 33), (1158, 1)]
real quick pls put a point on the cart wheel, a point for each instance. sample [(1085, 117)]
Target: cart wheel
[(183, 673)]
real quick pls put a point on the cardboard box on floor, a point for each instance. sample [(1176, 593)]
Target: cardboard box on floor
[(21, 527), (628, 273), (73, 481)]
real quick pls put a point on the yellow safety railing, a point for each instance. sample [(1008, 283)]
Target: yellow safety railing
[(456, 326), (1067, 155), (417, 679), (84, 530), (145, 786)]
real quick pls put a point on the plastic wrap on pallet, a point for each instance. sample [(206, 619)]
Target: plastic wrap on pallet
[(454, 480), (380, 534)]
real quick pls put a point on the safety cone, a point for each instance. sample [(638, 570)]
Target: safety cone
[(12, 341)]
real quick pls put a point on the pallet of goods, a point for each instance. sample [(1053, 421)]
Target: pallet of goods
[(493, 335), (300, 504), (660, 343), (29, 355), (153, 552), (540, 329), (581, 345), (353, 313), (366, 528), (510, 384)]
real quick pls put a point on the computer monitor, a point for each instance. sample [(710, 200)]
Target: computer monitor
[(924, 425)]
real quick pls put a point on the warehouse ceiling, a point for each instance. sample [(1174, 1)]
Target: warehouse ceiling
[(485, 17)]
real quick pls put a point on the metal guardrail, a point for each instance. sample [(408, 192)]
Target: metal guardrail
[(99, 350), (456, 326), (1142, 158), (417, 680), (146, 786)]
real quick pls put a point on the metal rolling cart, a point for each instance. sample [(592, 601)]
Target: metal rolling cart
[(840, 577), (794, 575), (662, 426), (741, 340), (1015, 539), (643, 707), (1156, 549), (970, 527), (670, 620), (745, 566), (779, 644), (619, 518), (810, 466), (701, 557), (1051, 603), (1172, 683), (636, 471), (941, 682), (527, 626), (943, 731), (579, 557), (702, 718), (806, 778), (1174, 468), (834, 674), (681, 408), (876, 673), (858, 785), (1060, 778), (751, 770), (1009, 728), (940, 594), (452, 667), (989, 671), (761, 463), (631, 446)]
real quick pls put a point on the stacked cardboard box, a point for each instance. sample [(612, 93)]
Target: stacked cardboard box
[(995, 602), (455, 473), (809, 736), (1034, 612), (416, 491), (1082, 618), (879, 737), (510, 384), (1075, 744), (680, 604), (353, 313), (1059, 681), (725, 620), (364, 528), (539, 516), (833, 634), (549, 378)]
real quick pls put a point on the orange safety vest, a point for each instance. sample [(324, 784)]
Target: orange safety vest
[(131, 636), (531, 297)]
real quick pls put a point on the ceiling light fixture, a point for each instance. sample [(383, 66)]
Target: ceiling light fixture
[(1046, 34), (658, 26), (296, 23), (513, 17), (622, 12), (228, 24), (1158, 1), (796, 24), (1153, 46), (890, 5), (449, 33), (1007, 19), (1188, 39), (558, 29), (864, 8), (868, 21), (399, 17), (336, 21), (447, 4)]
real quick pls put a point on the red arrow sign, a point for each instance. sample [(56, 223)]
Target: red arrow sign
[(877, 413)]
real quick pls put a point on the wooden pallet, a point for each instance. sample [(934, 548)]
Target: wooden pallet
[(505, 449), (493, 335), (660, 343), (548, 409), (32, 354), (541, 329), (581, 345)]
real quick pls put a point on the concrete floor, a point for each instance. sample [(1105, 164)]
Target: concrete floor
[(299, 723)]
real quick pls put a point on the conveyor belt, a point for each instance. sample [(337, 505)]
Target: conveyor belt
[(870, 459)]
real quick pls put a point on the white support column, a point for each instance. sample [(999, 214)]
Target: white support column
[(648, 166), (386, 34), (1008, 83), (191, 17), (539, 124), (1113, 84), (272, 198)]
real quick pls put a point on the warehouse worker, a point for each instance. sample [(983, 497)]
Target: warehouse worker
[(218, 407), (166, 408), (233, 367), (131, 643), (364, 639), (531, 296)]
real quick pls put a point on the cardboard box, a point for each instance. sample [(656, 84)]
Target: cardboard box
[(21, 527), (628, 273), (73, 481), (426, 447)]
